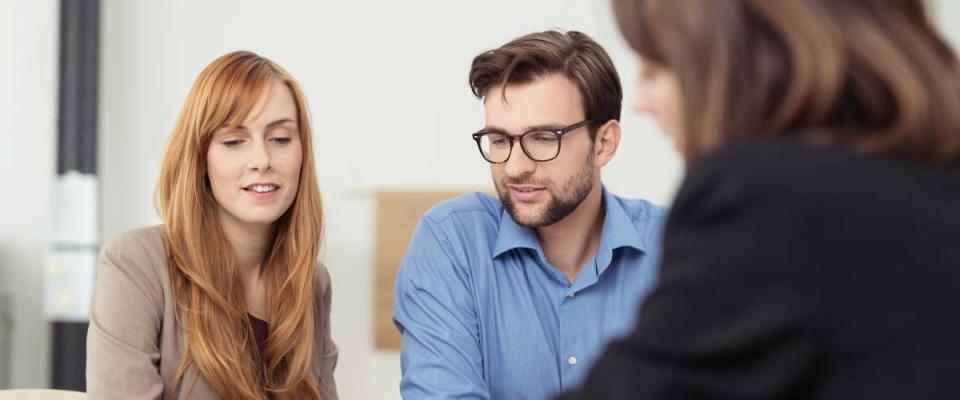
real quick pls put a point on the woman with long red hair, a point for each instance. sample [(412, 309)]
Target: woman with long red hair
[(226, 299)]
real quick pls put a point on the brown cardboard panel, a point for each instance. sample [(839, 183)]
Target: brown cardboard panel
[(398, 212)]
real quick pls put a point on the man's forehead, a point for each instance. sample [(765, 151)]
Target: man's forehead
[(525, 120)]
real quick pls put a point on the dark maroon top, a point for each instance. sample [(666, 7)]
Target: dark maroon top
[(259, 332)]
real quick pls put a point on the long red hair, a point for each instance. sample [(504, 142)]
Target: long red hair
[(207, 288)]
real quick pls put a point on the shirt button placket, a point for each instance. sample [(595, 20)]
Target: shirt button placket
[(566, 341)]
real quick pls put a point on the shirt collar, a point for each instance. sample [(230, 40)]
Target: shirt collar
[(618, 228), (618, 231), (513, 236)]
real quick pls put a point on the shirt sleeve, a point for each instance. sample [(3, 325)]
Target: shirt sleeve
[(732, 317), (123, 352), (435, 311)]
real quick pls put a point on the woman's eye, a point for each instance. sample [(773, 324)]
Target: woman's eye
[(648, 73), (232, 142), (649, 69), (281, 140)]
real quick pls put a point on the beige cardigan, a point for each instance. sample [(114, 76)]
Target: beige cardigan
[(134, 344)]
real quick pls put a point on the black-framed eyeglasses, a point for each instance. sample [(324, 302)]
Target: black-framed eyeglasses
[(539, 144)]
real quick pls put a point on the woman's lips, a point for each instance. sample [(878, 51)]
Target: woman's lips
[(256, 191)]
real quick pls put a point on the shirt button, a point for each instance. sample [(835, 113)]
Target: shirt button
[(570, 296), (572, 360)]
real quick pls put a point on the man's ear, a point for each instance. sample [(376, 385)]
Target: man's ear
[(606, 142)]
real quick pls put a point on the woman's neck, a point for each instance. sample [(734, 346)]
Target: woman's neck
[(250, 244)]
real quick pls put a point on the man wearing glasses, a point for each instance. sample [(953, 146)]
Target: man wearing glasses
[(513, 298)]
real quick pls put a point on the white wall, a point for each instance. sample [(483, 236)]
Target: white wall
[(28, 109), (371, 70), (947, 15), (386, 81)]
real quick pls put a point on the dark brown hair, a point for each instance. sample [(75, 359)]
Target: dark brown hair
[(869, 74), (571, 54)]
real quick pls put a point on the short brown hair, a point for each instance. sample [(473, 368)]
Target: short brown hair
[(571, 54), (873, 75)]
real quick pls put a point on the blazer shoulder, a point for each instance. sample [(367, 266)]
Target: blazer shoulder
[(136, 242), (785, 160), (140, 253), (785, 168)]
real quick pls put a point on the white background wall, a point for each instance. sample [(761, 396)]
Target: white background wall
[(28, 130), (386, 81)]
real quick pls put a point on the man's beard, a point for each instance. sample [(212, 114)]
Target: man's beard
[(562, 202)]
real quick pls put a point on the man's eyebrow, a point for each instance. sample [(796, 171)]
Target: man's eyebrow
[(545, 127), (494, 129), (541, 127)]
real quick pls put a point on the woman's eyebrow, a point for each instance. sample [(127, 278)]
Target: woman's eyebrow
[(280, 122), (273, 124)]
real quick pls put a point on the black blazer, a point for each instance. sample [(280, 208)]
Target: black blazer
[(799, 272)]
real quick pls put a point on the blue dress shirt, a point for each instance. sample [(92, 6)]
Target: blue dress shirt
[(485, 316)]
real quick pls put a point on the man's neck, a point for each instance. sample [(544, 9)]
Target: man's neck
[(572, 241)]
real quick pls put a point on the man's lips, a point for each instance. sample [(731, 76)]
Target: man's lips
[(524, 188), (526, 193)]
